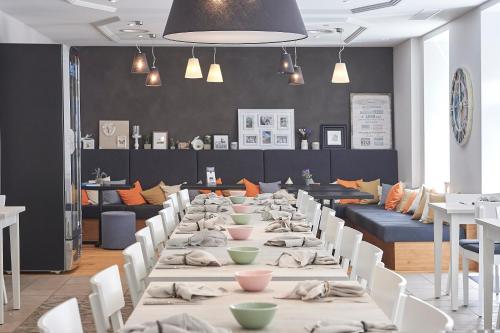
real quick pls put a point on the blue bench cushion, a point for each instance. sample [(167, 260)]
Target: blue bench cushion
[(390, 226), (473, 245)]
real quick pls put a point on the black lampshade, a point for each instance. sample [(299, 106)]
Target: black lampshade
[(140, 64), (153, 79), (234, 21), (296, 79), (286, 64)]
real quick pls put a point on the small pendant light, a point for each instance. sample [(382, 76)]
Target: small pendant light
[(296, 79), (153, 79), (215, 73), (286, 63), (340, 74), (140, 62), (193, 69)]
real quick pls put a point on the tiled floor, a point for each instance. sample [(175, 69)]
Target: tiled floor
[(38, 288)]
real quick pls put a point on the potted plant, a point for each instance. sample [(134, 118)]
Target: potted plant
[(308, 178), (304, 134)]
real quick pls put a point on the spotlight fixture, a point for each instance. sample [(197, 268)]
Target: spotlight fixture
[(296, 79), (139, 31), (286, 63), (135, 23), (140, 62), (340, 74), (234, 22), (215, 73), (153, 79), (193, 69)]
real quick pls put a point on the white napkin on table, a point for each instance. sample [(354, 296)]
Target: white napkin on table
[(192, 258), (181, 323), (205, 238), (314, 289), (294, 241), (287, 226), (349, 326), (303, 258), (185, 291)]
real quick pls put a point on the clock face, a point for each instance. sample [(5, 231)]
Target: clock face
[(461, 106)]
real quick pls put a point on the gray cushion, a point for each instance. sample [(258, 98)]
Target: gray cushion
[(112, 197), (270, 187), (473, 245), (385, 191)]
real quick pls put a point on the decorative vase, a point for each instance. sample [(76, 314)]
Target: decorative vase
[(309, 181), (315, 145), (147, 146), (304, 145), (207, 146)]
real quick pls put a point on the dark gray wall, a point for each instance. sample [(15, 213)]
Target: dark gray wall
[(186, 108)]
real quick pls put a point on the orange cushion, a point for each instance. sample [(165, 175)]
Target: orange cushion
[(349, 183), (394, 196), (85, 198), (409, 202), (218, 192), (252, 190), (133, 196), (349, 201)]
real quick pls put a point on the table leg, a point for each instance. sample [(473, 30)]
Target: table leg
[(438, 247), (480, 271), (100, 195), (14, 257), (454, 261), (486, 259), (2, 286)]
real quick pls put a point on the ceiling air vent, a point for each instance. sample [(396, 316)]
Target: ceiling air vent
[(355, 34), (376, 6), (425, 15)]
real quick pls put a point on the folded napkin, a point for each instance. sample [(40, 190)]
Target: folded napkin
[(193, 217), (213, 223), (181, 323), (275, 215), (185, 291), (281, 207), (192, 258), (218, 201), (303, 258), (314, 289), (264, 196), (286, 226), (205, 209), (205, 238), (283, 194), (349, 326), (294, 241)]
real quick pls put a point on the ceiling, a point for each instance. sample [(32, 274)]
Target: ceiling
[(72, 22)]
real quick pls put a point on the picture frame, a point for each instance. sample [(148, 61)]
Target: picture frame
[(266, 137), (266, 120), (220, 141), (250, 122), (281, 139), (110, 130), (160, 140), (333, 136), (88, 144), (122, 142), (283, 121), (251, 139)]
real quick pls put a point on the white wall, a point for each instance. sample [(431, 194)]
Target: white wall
[(15, 31)]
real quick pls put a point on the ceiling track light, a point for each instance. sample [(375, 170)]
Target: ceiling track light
[(286, 62), (153, 79), (215, 73), (193, 68), (340, 74), (140, 62), (296, 79)]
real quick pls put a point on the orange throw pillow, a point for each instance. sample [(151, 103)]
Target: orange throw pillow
[(349, 183), (133, 196), (218, 192), (85, 198), (409, 202), (252, 190), (394, 196), (349, 201)]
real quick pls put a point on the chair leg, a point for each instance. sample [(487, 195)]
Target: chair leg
[(465, 276), (497, 282), (498, 318), (5, 298), (448, 284)]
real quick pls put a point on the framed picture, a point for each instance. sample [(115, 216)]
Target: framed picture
[(122, 142), (88, 144), (333, 136), (221, 142), (266, 129), (110, 131), (160, 140)]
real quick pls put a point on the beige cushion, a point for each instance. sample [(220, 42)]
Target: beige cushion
[(155, 195), (421, 205), (433, 198), (372, 188), (94, 195), (404, 200), (170, 189), (416, 202)]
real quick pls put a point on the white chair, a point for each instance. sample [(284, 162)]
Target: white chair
[(175, 202), (135, 271), (63, 318), (106, 300), (168, 218), (332, 234), (325, 212), (184, 200), (158, 234), (417, 316), (143, 237), (387, 289), (349, 246), (301, 200), (313, 216), (363, 267)]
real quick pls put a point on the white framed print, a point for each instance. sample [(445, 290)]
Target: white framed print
[(160, 140), (221, 141), (122, 142), (266, 129)]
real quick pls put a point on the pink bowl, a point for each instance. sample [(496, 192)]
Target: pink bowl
[(240, 233), (243, 209), (254, 280)]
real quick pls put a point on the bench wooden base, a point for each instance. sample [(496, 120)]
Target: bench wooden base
[(91, 233)]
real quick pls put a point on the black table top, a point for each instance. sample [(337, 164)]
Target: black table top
[(317, 188), (106, 187), (213, 188)]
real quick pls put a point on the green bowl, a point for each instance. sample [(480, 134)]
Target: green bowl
[(253, 316), (243, 255), (241, 219), (237, 200)]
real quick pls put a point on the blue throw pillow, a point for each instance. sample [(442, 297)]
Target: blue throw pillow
[(385, 191), (112, 197), (270, 187)]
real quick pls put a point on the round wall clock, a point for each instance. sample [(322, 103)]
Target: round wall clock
[(461, 106)]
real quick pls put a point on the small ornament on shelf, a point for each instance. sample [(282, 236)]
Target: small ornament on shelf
[(308, 178), (172, 144), (88, 142), (304, 134), (136, 135), (147, 142), (207, 142), (99, 176)]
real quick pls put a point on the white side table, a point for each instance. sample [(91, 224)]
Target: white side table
[(455, 214), (9, 217)]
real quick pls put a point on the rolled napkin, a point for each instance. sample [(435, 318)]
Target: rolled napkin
[(287, 226), (205, 238), (214, 223), (185, 291), (314, 289), (192, 258), (303, 258), (349, 326), (294, 241), (182, 323)]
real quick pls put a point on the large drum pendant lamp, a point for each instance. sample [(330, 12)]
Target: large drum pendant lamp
[(234, 22)]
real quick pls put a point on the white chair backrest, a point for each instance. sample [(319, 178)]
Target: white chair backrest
[(332, 233), (348, 249), (175, 202), (157, 230), (302, 199), (2, 200), (387, 289), (315, 212), (363, 267), (325, 212), (106, 299), (309, 207), (416, 316), (63, 318), (185, 202), (168, 203), (168, 218), (485, 209), (467, 199), (135, 271), (143, 237)]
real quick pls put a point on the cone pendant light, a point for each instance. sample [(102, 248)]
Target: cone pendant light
[(215, 73), (193, 69), (340, 74), (153, 79), (296, 79), (140, 63), (286, 63)]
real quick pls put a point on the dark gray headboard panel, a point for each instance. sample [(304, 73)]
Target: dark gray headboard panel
[(281, 164), (113, 162), (232, 165), (171, 166), (365, 164)]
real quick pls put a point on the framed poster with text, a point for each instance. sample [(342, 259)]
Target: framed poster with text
[(371, 121)]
